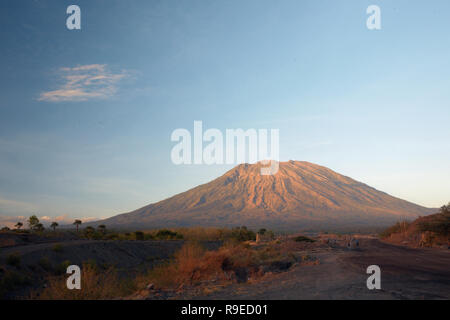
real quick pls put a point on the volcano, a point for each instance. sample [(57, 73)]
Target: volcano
[(300, 195)]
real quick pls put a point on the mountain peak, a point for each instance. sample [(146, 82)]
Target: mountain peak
[(300, 194)]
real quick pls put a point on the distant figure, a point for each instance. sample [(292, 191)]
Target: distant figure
[(353, 244)]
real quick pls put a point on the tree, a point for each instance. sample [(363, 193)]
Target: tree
[(89, 231), (33, 221), (262, 231), (77, 223), (445, 208), (19, 225), (39, 227), (54, 225), (139, 235), (102, 228)]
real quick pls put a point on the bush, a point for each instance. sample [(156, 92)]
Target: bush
[(11, 280), (190, 264), (112, 236), (242, 234), (204, 234), (45, 264), (91, 263), (13, 260), (439, 225), (62, 267), (303, 239), (262, 231), (193, 264), (139, 235), (149, 236), (57, 248), (95, 284), (400, 226), (165, 234)]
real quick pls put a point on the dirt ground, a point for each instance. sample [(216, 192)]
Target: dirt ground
[(406, 273)]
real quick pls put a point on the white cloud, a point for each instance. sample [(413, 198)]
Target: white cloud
[(85, 82)]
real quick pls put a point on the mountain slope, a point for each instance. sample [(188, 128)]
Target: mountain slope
[(301, 194)]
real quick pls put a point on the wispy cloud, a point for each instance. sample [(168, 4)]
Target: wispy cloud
[(83, 83), (13, 206), (10, 221)]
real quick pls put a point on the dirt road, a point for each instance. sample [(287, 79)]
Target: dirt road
[(405, 274)]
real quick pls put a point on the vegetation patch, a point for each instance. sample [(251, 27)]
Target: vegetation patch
[(57, 248), (303, 239), (10, 281), (95, 284), (45, 264), (13, 260)]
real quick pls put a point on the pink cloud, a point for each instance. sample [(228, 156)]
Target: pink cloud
[(82, 83)]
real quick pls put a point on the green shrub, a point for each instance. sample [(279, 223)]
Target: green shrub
[(242, 234), (165, 234), (149, 236)]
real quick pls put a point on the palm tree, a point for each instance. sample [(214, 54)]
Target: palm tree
[(77, 223), (19, 225), (54, 225)]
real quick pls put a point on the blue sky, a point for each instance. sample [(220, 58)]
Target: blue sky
[(86, 115)]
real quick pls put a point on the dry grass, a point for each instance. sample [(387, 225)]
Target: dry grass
[(95, 285), (193, 264)]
